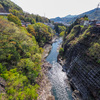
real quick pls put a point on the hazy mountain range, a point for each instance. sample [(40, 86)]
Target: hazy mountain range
[(92, 14)]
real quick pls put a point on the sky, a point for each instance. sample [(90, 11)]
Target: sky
[(56, 8)]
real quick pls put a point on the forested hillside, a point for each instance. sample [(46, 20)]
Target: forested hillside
[(42, 33), (20, 60), (20, 52), (9, 6)]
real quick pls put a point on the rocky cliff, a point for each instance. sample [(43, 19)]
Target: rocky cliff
[(82, 61)]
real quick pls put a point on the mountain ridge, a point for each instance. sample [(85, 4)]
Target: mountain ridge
[(92, 14)]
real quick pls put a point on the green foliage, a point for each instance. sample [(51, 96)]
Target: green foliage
[(94, 51), (76, 36), (1, 7), (2, 69), (82, 26), (11, 7), (20, 60), (98, 61), (87, 36), (29, 68), (62, 33), (86, 17), (18, 87), (14, 12), (68, 30), (33, 21), (14, 19), (61, 51), (43, 33), (75, 31), (31, 30), (33, 18), (8, 4), (61, 28)]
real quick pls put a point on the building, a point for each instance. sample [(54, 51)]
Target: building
[(98, 23), (92, 22), (86, 23), (25, 24), (50, 25)]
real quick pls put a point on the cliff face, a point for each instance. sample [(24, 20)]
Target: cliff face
[(82, 55)]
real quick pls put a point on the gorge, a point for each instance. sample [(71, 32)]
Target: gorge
[(44, 60), (60, 88)]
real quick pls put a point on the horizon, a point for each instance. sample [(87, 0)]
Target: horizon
[(53, 9)]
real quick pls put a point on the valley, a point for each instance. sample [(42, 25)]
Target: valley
[(49, 59)]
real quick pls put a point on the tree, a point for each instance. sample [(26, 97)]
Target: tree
[(33, 21), (61, 28), (31, 30), (43, 33), (14, 19)]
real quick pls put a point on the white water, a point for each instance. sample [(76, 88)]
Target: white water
[(60, 87)]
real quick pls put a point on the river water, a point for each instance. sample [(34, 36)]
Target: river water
[(60, 87)]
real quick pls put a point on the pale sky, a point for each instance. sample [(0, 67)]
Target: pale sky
[(55, 8)]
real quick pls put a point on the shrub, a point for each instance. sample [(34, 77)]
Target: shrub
[(43, 33), (61, 51), (62, 33), (14, 19), (94, 51)]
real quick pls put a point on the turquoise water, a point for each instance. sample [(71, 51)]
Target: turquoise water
[(60, 87), (53, 54)]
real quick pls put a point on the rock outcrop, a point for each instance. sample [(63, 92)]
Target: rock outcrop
[(2, 85), (45, 85), (82, 55)]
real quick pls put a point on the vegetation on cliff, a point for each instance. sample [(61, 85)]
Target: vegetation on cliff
[(81, 47), (59, 28), (42, 33), (80, 34)]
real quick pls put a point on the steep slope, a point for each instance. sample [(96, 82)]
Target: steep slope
[(92, 14), (20, 60), (9, 6), (82, 61)]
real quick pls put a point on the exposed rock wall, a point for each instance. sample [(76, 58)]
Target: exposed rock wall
[(2, 85), (82, 69)]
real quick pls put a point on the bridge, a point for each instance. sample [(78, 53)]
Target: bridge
[(4, 14)]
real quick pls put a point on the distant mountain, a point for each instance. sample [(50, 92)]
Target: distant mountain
[(92, 14), (70, 16)]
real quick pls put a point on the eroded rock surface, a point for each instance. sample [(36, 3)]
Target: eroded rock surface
[(82, 66), (2, 85)]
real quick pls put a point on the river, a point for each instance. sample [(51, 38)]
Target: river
[(60, 87)]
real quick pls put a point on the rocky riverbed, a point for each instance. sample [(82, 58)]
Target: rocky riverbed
[(45, 86)]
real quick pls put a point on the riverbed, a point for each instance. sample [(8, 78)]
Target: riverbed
[(60, 87)]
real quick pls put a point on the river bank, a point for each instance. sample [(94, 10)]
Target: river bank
[(45, 85), (75, 93), (54, 83), (60, 86)]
